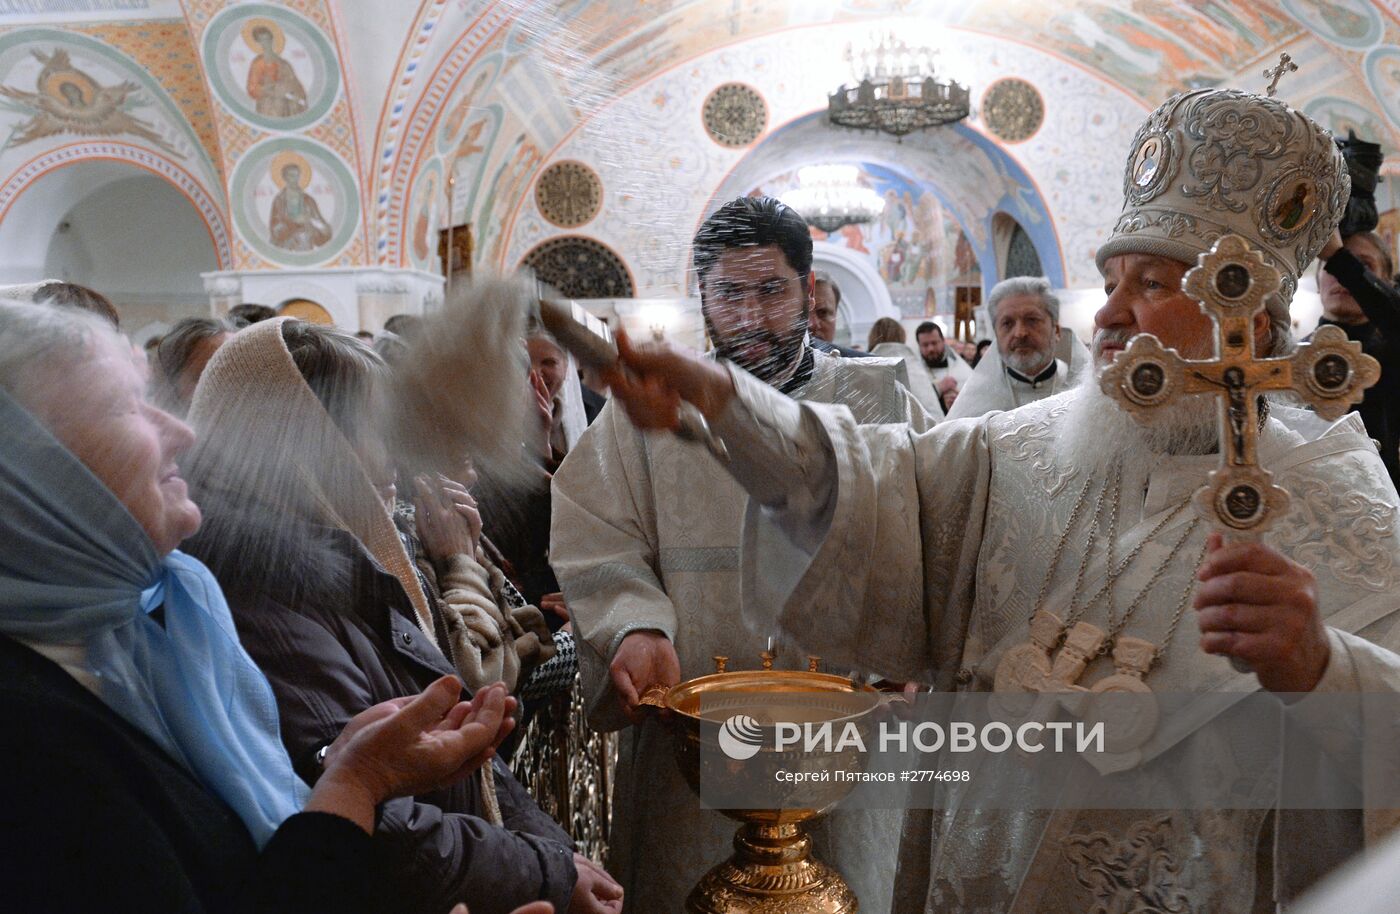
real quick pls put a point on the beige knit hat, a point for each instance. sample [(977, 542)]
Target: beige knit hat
[(253, 397), (1221, 161)]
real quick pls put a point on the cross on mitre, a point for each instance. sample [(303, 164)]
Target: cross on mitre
[(1285, 65), (1233, 282)]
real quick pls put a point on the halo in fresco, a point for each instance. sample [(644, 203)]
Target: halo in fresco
[(270, 67), (429, 203), (294, 201), (56, 86), (1352, 24), (1383, 76)]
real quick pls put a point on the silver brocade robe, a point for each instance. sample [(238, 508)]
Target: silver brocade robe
[(920, 558), (645, 535)]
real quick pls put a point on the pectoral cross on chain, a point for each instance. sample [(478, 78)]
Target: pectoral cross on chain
[(1233, 282)]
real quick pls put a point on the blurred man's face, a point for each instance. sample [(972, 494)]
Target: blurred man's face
[(547, 359), (756, 308), (931, 346), (822, 323), (1026, 334)]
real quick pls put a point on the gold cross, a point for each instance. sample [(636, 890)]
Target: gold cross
[(1233, 283), (1285, 65)]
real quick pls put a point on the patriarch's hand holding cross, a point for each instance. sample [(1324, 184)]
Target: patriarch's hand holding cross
[(1256, 605)]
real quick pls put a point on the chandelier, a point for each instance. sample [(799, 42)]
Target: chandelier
[(830, 196), (898, 91)]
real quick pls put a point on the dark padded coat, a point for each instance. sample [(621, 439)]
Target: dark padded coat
[(330, 656)]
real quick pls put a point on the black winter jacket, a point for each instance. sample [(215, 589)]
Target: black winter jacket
[(329, 657), (94, 816)]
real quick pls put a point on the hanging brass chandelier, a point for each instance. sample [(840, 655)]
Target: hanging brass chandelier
[(898, 93)]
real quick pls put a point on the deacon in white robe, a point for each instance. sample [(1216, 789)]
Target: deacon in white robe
[(940, 361), (645, 543), (1033, 358), (923, 557)]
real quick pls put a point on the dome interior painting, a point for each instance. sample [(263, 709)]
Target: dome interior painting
[(331, 143)]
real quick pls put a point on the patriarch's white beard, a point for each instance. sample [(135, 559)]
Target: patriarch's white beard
[(1097, 433)]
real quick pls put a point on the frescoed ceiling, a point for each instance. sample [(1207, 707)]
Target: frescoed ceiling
[(411, 97)]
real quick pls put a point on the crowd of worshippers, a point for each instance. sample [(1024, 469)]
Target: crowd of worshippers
[(253, 665)]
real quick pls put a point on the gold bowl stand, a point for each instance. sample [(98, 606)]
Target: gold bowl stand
[(772, 870)]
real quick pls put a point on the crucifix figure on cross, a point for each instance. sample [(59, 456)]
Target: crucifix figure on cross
[(1233, 283)]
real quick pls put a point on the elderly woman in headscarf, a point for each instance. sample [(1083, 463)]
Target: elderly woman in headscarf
[(142, 768), (296, 480)]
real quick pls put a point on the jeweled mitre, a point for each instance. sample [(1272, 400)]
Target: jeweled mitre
[(1221, 161)]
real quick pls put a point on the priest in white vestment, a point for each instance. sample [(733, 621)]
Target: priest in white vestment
[(924, 557), (943, 365), (645, 542), (1024, 365)]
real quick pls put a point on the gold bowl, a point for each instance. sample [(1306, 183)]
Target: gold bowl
[(772, 869)]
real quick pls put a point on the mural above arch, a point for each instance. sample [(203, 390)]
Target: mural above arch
[(1383, 76), (294, 201), (1353, 24), (270, 67), (57, 87), (429, 203)]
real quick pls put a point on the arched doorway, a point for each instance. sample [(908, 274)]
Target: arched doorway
[(118, 228)]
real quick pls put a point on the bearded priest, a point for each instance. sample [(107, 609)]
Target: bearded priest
[(645, 542), (924, 557)]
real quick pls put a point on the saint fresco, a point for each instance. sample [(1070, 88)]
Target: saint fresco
[(272, 83), (66, 100), (296, 223)]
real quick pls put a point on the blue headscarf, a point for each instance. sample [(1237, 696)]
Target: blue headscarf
[(76, 568)]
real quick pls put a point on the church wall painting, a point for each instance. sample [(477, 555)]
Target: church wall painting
[(461, 108), (508, 183), (56, 87), (463, 137), (905, 245), (67, 100), (270, 67), (295, 201), (467, 160), (1053, 184), (68, 97), (1352, 24), (429, 203), (918, 245), (1383, 76), (1339, 115)]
